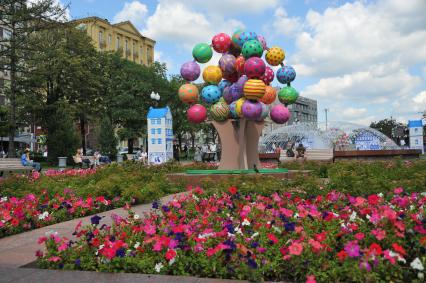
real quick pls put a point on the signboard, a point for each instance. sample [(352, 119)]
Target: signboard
[(367, 141)]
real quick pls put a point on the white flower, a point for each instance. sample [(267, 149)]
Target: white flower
[(400, 258), (195, 198), (158, 267), (238, 231), (278, 230), (417, 264), (204, 236), (368, 217), (353, 216), (245, 223), (420, 275), (255, 235), (172, 261), (3, 199), (51, 232), (423, 194), (380, 195), (136, 216), (137, 245), (296, 215), (43, 216)]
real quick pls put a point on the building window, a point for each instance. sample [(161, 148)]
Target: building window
[(152, 141), (109, 39), (158, 121), (152, 131), (159, 131), (159, 141), (101, 39), (118, 43), (152, 121)]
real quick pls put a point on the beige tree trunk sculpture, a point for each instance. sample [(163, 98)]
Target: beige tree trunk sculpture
[(240, 139)]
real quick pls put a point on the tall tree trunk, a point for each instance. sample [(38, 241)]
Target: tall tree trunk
[(83, 133), (193, 139), (13, 91), (180, 140), (130, 145)]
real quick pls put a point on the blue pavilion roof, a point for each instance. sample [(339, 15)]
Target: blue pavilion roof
[(415, 123), (157, 112)]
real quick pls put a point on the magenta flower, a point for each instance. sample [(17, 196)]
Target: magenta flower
[(352, 249)]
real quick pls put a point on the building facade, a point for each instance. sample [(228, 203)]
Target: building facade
[(122, 37), (160, 135), (415, 128)]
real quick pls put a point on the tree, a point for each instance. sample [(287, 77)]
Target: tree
[(107, 138), (392, 129), (62, 139), (22, 20)]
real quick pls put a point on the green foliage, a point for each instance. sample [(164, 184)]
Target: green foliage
[(107, 139), (62, 139)]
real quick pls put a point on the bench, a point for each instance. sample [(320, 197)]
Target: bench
[(325, 154), (13, 164), (267, 157)]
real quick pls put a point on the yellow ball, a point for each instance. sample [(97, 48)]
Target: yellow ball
[(254, 89), (239, 105), (275, 56), (212, 75)]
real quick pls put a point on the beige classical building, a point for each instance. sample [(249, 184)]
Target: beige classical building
[(122, 37)]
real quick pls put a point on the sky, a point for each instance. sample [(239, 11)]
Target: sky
[(362, 60)]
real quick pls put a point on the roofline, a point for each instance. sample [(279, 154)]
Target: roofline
[(114, 25)]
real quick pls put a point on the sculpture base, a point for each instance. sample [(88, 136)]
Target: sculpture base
[(239, 140)]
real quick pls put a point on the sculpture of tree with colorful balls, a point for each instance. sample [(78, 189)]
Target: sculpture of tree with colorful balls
[(237, 92)]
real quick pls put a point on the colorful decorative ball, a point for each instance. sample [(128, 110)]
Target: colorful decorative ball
[(234, 50), (188, 93), (252, 48), (268, 76), (233, 110), (254, 68), (238, 105), (196, 114), (227, 63), (254, 89), (239, 64), (275, 56), (279, 114), (251, 110), (286, 74), (190, 71), (211, 94), (288, 95), (262, 40), (212, 75), (270, 95), (246, 36), (265, 111), (233, 93), (232, 77), (236, 37), (221, 42), (202, 52), (219, 111), (223, 84), (241, 81)]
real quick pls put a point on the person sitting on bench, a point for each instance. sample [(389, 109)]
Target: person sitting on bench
[(26, 161), (300, 151), (79, 161)]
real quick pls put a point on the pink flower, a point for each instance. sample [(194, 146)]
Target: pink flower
[(54, 259), (379, 234), (149, 229), (398, 190), (63, 247), (352, 249), (359, 236), (365, 265), (310, 279), (295, 249), (387, 255)]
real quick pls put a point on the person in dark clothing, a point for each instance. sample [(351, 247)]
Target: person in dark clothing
[(176, 152), (185, 151), (300, 151)]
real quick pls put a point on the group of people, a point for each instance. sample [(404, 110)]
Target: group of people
[(141, 156), (80, 160), (208, 152), (300, 150)]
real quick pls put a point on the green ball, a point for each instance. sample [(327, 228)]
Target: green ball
[(288, 95), (202, 52), (252, 48), (219, 111)]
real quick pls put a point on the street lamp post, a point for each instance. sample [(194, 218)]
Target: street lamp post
[(326, 118)]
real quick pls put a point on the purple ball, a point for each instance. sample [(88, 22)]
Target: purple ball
[(190, 71), (241, 81), (251, 110), (227, 63), (262, 41), (232, 94), (280, 114)]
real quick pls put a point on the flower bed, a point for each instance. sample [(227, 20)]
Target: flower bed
[(331, 238), (69, 172), (30, 212)]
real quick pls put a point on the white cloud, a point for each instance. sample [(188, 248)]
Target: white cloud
[(160, 57), (65, 17), (354, 112), (285, 25), (133, 11), (231, 6)]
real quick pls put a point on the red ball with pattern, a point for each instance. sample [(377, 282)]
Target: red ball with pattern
[(239, 64), (268, 76), (221, 42)]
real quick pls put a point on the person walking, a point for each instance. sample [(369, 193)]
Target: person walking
[(176, 151)]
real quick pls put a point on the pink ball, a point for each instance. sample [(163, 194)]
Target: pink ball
[(196, 114), (190, 71), (268, 76), (262, 41), (221, 42), (254, 68), (251, 110), (279, 114)]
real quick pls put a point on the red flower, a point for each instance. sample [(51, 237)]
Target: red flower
[(284, 250), (373, 199), (399, 249), (108, 252), (233, 190), (310, 279), (342, 255), (170, 254), (321, 236), (375, 249), (272, 238)]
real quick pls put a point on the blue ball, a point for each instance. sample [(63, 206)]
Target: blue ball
[(286, 74), (233, 110), (211, 94), (223, 84), (246, 36)]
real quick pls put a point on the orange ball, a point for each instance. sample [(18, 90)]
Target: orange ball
[(188, 93), (254, 89), (270, 95), (212, 75)]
